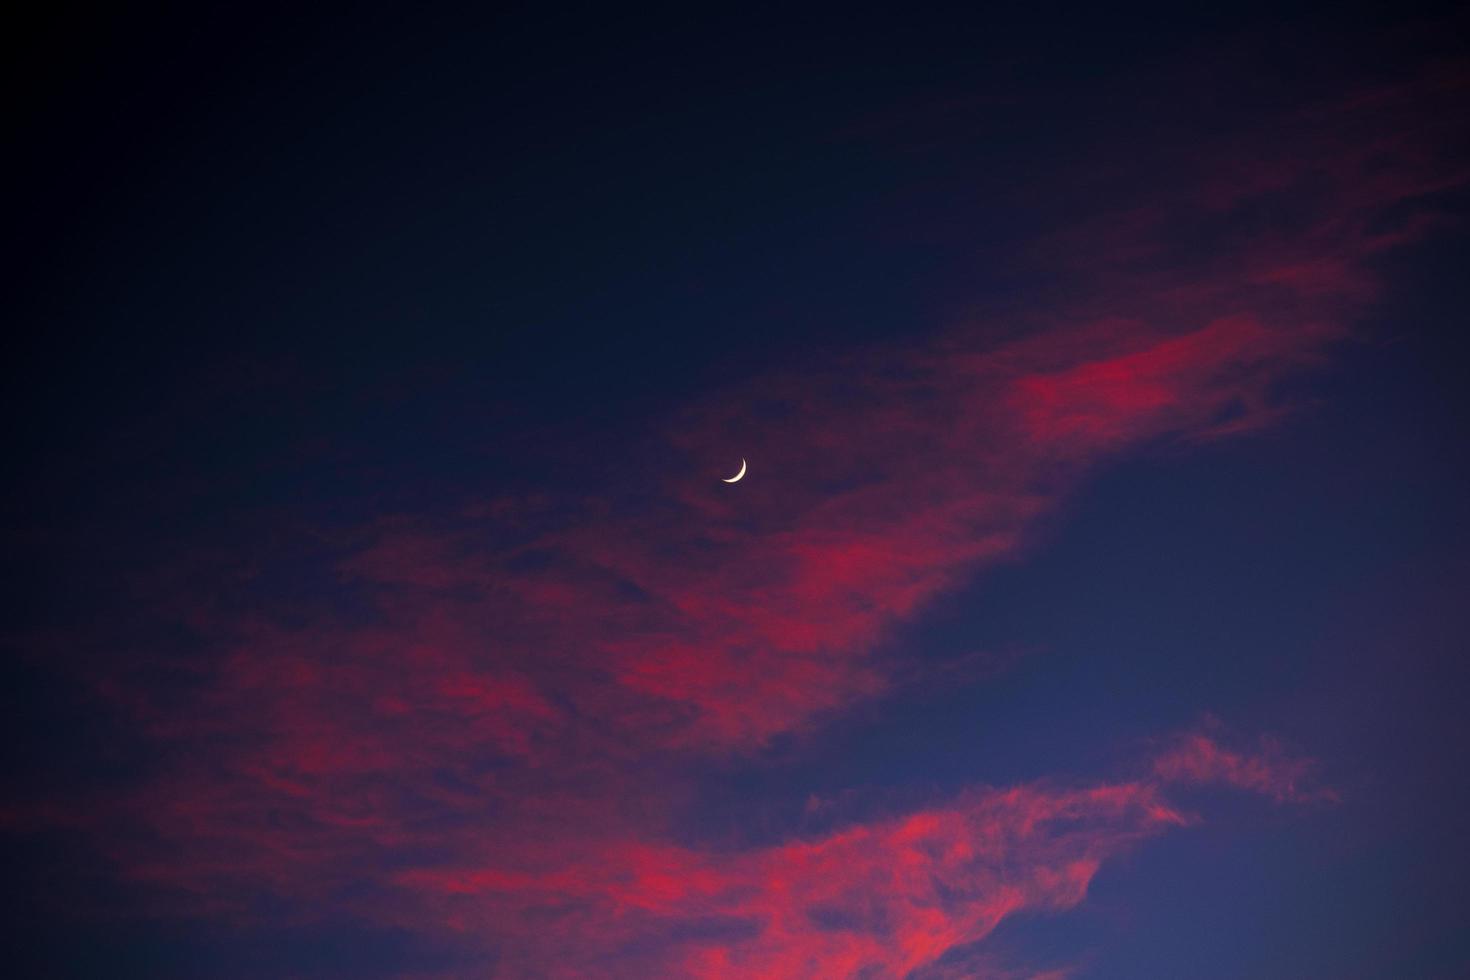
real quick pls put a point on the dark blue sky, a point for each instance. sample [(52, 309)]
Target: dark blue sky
[(1094, 603)]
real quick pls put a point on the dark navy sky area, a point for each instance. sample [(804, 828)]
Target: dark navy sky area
[(1094, 605)]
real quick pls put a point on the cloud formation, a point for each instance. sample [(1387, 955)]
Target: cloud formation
[(484, 729), (881, 898)]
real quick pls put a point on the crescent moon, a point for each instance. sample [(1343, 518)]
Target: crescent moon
[(736, 478)]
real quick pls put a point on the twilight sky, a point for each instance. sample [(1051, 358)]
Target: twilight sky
[(1094, 606)]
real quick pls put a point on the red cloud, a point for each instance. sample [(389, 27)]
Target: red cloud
[(887, 897), (1271, 771), (884, 898), (486, 729)]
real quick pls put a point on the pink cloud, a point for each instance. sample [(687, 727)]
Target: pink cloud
[(885, 898), (486, 735), (1196, 758)]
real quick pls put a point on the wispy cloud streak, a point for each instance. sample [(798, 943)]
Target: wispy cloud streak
[(485, 731)]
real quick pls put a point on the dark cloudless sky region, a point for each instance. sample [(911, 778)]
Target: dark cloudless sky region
[(1094, 605)]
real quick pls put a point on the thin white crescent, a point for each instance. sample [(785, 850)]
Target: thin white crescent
[(737, 476)]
